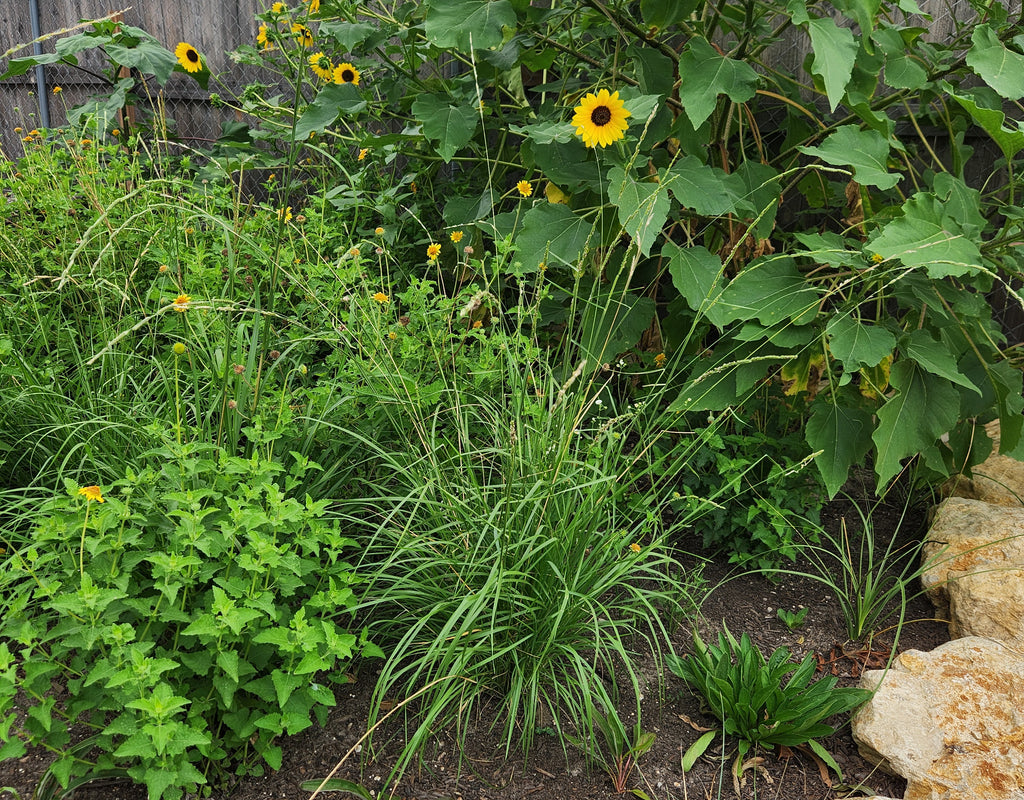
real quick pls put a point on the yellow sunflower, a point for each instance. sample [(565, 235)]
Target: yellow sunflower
[(188, 57), (321, 65), (261, 38), (279, 8), (600, 119), (433, 251), (314, 6), (303, 34), (525, 189), (346, 73)]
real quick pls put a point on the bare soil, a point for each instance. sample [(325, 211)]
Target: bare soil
[(744, 602)]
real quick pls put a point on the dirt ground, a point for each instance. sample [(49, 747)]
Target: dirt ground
[(745, 603)]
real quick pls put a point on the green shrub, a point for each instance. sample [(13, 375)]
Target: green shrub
[(193, 611)]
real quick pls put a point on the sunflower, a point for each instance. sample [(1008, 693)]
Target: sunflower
[(321, 65), (261, 38), (433, 251), (279, 8), (314, 6), (303, 34), (346, 73), (525, 189), (600, 119), (188, 57)]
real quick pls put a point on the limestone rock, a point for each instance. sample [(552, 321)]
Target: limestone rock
[(976, 575), (998, 479), (950, 721)]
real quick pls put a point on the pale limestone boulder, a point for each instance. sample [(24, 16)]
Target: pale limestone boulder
[(950, 721), (998, 479), (974, 559)]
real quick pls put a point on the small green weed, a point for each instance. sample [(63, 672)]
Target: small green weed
[(792, 619)]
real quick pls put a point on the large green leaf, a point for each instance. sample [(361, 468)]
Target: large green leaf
[(661, 14), (348, 34), (704, 189), (452, 127), (148, 56), (843, 437), (643, 207), (769, 290), (551, 234), (468, 24), (333, 100), (926, 237), (1000, 67), (757, 187), (934, 356), (865, 151), (992, 121), (901, 71), (612, 323), (857, 344), (925, 407), (697, 275), (706, 74), (835, 51)]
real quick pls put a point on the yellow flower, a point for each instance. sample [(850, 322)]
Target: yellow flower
[(346, 73), (635, 547), (57, 90), (92, 493), (314, 6), (433, 251), (181, 303), (261, 38), (600, 119), (659, 360), (188, 57), (380, 297), (179, 349), (362, 154), (115, 132), (279, 8), (456, 237), (163, 268), (877, 258), (354, 252), (525, 189), (321, 65), (379, 230), (392, 335), (303, 34), (286, 213)]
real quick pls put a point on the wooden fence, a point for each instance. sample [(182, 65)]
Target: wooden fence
[(215, 29)]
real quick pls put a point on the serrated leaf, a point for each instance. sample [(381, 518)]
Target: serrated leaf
[(332, 101), (769, 290), (452, 127), (707, 75), (348, 34), (901, 71), (992, 121), (697, 275), (701, 188), (903, 430), (934, 356), (835, 51), (551, 234), (642, 207), (843, 435), (857, 344), (468, 24), (926, 237), (866, 151), (997, 65)]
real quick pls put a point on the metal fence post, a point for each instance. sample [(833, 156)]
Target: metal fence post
[(37, 49)]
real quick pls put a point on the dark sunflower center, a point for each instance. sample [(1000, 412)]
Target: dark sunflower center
[(192, 56), (601, 116), (348, 76)]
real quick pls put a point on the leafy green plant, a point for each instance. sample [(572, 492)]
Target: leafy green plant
[(755, 701), (189, 609), (619, 749), (868, 581), (792, 619)]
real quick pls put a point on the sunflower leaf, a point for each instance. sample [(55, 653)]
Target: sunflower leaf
[(450, 126), (708, 75), (468, 24)]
